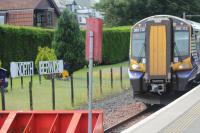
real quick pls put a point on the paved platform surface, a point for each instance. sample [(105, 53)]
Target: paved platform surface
[(180, 116)]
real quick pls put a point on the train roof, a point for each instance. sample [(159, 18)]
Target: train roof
[(195, 25)]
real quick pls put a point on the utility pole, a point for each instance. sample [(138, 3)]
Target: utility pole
[(184, 17), (189, 15)]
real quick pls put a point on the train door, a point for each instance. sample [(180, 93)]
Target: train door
[(158, 50)]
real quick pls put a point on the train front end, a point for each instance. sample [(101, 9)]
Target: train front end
[(160, 61)]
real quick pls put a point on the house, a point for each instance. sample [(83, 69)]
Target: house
[(62, 4), (83, 13), (40, 13), (82, 8)]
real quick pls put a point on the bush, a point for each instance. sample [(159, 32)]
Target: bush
[(21, 43), (44, 54), (68, 42)]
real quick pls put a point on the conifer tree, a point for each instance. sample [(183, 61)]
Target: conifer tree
[(68, 42)]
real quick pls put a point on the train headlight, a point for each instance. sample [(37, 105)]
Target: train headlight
[(136, 67), (183, 66)]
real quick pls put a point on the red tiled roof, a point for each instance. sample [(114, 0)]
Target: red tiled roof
[(18, 4), (24, 4)]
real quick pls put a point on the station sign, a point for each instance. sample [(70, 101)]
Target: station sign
[(50, 67), (21, 69)]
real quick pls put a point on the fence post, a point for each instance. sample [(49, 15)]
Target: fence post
[(53, 91), (111, 76), (87, 85), (22, 82), (11, 83), (3, 98), (72, 91), (39, 79), (30, 95), (100, 79), (121, 77), (31, 79)]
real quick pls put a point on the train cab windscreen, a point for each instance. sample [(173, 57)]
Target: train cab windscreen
[(138, 45), (181, 47)]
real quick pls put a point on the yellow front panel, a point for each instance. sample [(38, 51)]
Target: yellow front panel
[(158, 50)]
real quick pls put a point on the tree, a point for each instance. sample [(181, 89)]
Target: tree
[(126, 12), (44, 54), (68, 42)]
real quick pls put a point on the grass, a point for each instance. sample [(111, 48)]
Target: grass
[(18, 98)]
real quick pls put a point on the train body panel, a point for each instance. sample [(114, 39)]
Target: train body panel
[(163, 57)]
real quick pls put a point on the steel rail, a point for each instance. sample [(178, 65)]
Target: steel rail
[(149, 109)]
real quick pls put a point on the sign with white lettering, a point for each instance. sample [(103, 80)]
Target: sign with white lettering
[(20, 69), (50, 67)]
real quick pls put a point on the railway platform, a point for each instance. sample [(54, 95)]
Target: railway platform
[(180, 116)]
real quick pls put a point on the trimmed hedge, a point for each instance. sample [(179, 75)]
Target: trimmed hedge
[(21, 43), (115, 44)]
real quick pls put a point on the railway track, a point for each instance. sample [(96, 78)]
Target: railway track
[(132, 119)]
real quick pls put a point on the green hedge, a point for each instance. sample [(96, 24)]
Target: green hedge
[(21, 43), (116, 44)]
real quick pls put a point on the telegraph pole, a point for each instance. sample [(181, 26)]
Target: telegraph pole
[(184, 17), (189, 15)]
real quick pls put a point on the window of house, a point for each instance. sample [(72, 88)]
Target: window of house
[(50, 19), (80, 19), (44, 18), (2, 18)]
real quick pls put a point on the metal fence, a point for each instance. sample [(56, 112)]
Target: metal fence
[(37, 93)]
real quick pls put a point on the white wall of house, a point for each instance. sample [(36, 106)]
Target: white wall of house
[(81, 11), (83, 14)]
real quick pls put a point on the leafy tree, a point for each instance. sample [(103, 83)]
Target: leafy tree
[(126, 12), (68, 42), (44, 54)]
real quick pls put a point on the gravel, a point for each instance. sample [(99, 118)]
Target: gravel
[(130, 123), (117, 108)]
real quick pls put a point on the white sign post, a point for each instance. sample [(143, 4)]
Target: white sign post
[(50, 67), (20, 69)]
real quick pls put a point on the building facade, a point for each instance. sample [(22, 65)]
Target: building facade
[(82, 8), (39, 13)]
